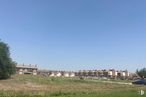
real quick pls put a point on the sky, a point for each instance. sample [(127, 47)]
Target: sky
[(75, 34)]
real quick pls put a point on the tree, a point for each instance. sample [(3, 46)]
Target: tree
[(141, 73), (7, 66)]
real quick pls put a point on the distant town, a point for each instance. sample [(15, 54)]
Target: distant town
[(104, 74)]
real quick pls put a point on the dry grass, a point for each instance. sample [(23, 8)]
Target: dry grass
[(39, 85)]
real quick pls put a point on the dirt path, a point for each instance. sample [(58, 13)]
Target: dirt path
[(123, 83)]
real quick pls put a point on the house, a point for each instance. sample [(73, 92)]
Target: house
[(58, 74), (26, 69), (65, 74), (110, 73), (71, 74), (51, 74)]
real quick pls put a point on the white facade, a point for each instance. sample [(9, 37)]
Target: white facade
[(110, 73), (34, 72), (20, 72), (58, 74), (123, 74), (66, 75), (128, 74), (116, 73), (52, 75), (72, 75)]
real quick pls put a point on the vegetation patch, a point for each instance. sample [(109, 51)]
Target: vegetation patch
[(39, 86)]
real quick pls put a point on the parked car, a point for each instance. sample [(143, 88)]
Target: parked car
[(139, 81)]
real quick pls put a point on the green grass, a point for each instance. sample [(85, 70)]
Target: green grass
[(39, 86)]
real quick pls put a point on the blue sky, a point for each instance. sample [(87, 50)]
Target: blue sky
[(75, 34)]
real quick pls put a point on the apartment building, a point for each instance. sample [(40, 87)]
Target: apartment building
[(26, 69), (111, 73)]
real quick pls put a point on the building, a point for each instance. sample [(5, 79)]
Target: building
[(26, 69), (111, 73), (71, 74), (65, 74)]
